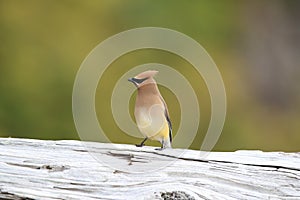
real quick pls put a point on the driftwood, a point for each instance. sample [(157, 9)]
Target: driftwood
[(37, 169)]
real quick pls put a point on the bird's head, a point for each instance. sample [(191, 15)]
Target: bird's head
[(143, 78)]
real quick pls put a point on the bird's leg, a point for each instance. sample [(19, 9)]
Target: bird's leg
[(142, 143), (162, 146)]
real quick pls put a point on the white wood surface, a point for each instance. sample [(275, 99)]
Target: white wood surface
[(37, 169)]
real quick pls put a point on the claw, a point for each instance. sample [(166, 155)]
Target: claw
[(142, 143)]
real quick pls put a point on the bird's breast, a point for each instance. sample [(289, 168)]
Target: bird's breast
[(150, 120), (142, 117)]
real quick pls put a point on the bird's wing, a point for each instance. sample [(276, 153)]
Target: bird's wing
[(167, 117)]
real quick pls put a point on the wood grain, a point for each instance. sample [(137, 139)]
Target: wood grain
[(38, 169)]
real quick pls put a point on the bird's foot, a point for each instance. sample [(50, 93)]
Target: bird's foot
[(159, 149), (142, 143)]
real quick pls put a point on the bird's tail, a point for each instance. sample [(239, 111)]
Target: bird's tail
[(167, 143)]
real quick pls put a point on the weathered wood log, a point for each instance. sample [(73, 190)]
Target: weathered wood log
[(37, 169)]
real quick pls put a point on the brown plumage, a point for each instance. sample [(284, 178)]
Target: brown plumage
[(151, 112)]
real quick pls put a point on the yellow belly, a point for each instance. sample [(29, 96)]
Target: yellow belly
[(162, 134), (154, 127)]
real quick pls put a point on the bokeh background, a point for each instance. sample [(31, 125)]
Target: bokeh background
[(255, 44)]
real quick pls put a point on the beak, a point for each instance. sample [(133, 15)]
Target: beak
[(131, 80)]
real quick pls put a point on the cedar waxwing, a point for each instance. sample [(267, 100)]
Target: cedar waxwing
[(151, 112)]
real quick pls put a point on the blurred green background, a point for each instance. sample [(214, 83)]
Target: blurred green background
[(255, 44)]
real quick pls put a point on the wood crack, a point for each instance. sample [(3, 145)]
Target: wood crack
[(117, 171)]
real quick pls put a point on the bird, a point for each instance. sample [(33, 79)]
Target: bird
[(151, 112)]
